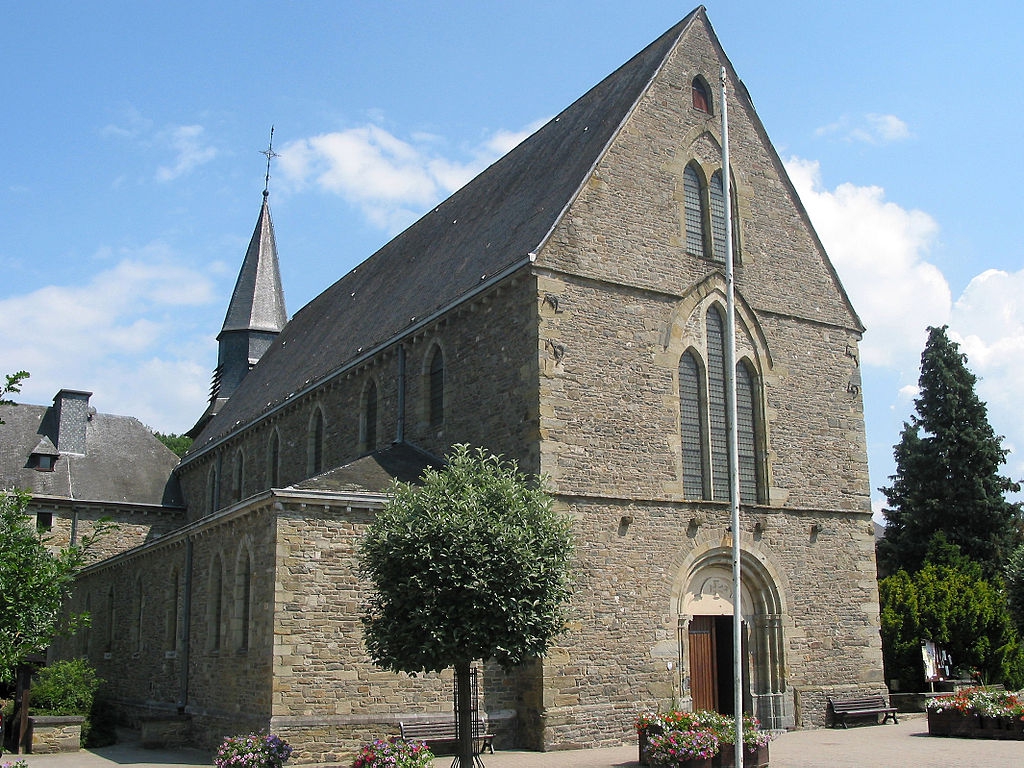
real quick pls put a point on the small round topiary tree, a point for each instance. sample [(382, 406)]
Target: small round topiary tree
[(472, 564)]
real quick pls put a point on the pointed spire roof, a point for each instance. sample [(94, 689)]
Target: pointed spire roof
[(257, 303)]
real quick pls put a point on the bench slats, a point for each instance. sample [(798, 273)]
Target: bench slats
[(861, 706), (438, 732)]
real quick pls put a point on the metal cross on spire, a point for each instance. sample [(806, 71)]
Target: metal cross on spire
[(270, 155)]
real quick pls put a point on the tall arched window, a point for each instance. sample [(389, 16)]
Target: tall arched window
[(274, 459), (435, 383), (243, 598), (716, 405), (140, 616), (694, 213), (315, 445), (746, 433), (717, 195), (238, 476), (215, 611), (691, 426), (111, 620), (705, 446), (212, 489), (173, 600), (370, 417)]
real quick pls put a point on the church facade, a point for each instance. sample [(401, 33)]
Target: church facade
[(566, 308)]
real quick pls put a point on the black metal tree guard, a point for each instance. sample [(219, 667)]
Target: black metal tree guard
[(474, 714)]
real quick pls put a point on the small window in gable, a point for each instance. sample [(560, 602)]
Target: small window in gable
[(701, 97)]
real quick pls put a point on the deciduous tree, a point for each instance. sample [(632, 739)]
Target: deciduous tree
[(34, 582), (472, 564)]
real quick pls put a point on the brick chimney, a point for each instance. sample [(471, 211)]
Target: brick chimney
[(72, 409)]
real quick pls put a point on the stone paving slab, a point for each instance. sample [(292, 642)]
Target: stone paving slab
[(881, 746)]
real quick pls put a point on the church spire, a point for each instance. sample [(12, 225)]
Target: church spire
[(256, 313)]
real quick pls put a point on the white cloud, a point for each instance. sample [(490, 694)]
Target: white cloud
[(879, 250), (390, 179), (988, 323), (187, 142), (871, 128), (124, 335)]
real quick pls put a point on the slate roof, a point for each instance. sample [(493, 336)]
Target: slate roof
[(483, 230), (123, 463), (374, 473), (257, 303)]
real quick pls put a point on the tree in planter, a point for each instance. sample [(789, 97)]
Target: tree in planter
[(472, 564), (947, 471)]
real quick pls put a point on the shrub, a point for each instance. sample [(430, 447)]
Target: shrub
[(65, 688)]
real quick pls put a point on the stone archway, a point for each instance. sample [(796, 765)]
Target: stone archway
[(705, 609)]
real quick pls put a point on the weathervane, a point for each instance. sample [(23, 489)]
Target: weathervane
[(270, 155)]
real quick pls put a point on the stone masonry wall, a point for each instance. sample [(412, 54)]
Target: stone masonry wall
[(626, 301), (490, 400)]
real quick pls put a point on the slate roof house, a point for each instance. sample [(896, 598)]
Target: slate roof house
[(565, 308), (81, 466)]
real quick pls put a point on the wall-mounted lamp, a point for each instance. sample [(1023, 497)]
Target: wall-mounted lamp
[(816, 528)]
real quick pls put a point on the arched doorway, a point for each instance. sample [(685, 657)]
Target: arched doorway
[(705, 621)]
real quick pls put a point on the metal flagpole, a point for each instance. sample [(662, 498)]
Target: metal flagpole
[(734, 477)]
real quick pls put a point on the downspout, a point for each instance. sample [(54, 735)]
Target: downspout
[(186, 630)]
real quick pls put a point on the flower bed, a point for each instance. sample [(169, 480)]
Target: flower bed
[(978, 713), (696, 739)]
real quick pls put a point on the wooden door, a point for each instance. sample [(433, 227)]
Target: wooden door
[(703, 663)]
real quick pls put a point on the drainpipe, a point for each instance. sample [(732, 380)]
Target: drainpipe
[(186, 630)]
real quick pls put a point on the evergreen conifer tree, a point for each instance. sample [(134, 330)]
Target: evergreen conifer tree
[(947, 471)]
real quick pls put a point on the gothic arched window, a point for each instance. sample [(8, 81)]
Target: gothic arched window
[(238, 476), (694, 212), (435, 386), (315, 443), (691, 426), (703, 422), (274, 460), (370, 417)]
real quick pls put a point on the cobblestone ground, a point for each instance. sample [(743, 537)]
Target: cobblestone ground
[(883, 746)]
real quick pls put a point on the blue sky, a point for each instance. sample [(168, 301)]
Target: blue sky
[(131, 175)]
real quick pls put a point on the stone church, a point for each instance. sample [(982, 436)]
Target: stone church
[(566, 308)]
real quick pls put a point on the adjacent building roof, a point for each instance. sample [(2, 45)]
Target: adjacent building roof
[(376, 472), (122, 462), (489, 227)]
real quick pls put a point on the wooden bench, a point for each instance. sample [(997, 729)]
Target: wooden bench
[(440, 734), (862, 706)]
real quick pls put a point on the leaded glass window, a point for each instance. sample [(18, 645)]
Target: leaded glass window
[(693, 210), (691, 426)]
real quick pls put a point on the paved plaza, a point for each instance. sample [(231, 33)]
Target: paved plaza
[(883, 746)]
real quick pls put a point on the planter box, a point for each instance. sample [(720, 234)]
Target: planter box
[(952, 722), (752, 758), (50, 734)]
